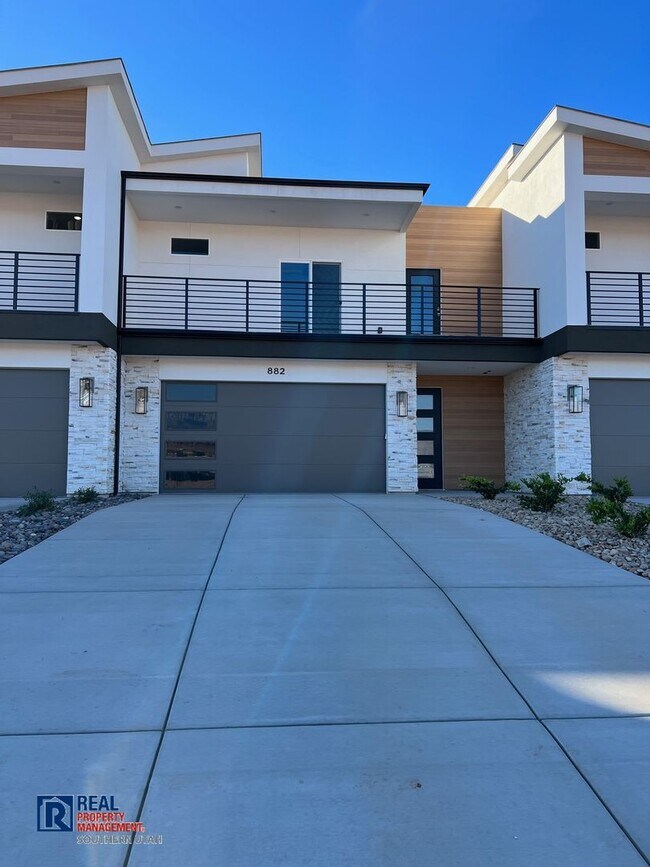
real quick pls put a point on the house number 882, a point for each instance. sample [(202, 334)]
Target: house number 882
[(275, 371)]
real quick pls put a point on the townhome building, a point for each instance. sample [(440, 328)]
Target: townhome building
[(173, 320)]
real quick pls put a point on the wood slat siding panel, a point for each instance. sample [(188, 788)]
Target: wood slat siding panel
[(607, 158), (472, 426), (44, 120), (465, 244)]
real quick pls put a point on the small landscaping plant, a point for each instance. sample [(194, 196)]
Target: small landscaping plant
[(487, 488), (609, 505), (85, 495), (37, 501), (545, 492)]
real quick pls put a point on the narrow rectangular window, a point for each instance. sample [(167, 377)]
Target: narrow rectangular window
[(190, 246), (592, 240), (63, 221), (294, 296)]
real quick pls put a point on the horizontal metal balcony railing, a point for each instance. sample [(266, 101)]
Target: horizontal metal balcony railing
[(618, 298), (367, 309), (39, 281)]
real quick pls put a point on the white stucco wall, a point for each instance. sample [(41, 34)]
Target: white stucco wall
[(108, 152), (255, 253), (22, 222), (534, 236), (217, 164), (624, 243)]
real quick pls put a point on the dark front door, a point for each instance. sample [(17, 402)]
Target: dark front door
[(326, 297), (429, 418), (423, 300)]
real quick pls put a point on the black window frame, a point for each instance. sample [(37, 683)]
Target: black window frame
[(592, 236), (73, 225), (188, 243)]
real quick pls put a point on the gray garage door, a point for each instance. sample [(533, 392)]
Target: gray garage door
[(33, 431), (620, 431), (272, 437)]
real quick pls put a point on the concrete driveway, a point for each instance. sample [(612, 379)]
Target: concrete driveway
[(321, 680)]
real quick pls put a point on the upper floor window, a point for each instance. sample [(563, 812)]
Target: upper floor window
[(62, 220), (191, 246), (592, 240)]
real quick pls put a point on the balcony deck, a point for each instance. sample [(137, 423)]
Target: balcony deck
[(189, 304)]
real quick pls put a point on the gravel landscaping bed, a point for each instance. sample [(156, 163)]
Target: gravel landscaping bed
[(570, 523), (19, 533)]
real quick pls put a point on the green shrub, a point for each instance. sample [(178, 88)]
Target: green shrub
[(632, 524), (598, 510), (85, 495), (620, 492), (37, 501), (609, 505), (545, 492), (487, 488)]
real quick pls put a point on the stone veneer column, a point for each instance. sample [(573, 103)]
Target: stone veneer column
[(91, 430), (401, 433), (540, 432), (140, 434)]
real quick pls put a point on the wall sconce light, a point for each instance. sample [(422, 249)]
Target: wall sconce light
[(575, 398), (86, 391), (402, 404), (141, 399)]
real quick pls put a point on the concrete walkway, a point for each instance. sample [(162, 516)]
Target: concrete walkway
[(321, 680)]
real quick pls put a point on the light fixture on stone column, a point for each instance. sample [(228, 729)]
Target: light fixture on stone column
[(575, 398), (402, 403), (86, 391), (141, 399)]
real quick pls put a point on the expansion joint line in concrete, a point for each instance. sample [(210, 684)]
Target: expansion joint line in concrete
[(505, 674), (179, 673)]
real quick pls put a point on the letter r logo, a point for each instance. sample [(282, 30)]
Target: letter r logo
[(54, 812)]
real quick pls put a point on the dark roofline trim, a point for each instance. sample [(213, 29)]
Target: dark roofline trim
[(286, 182)]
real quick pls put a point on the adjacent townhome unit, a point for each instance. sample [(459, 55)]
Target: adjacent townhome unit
[(173, 321)]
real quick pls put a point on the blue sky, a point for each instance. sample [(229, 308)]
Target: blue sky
[(359, 89)]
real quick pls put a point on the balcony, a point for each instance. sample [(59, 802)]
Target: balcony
[(618, 298), (44, 282), (190, 304)]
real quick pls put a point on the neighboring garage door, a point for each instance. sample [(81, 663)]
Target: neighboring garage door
[(33, 431), (620, 431), (272, 437)]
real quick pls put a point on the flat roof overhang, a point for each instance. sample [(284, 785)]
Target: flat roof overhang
[(248, 201)]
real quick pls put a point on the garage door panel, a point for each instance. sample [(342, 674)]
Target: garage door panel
[(620, 431), (300, 449), (295, 419), (278, 437), (283, 394), (35, 383), (292, 478), (16, 480), (606, 450), (620, 419), (28, 446), (28, 413), (639, 476), (620, 392), (33, 430)]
